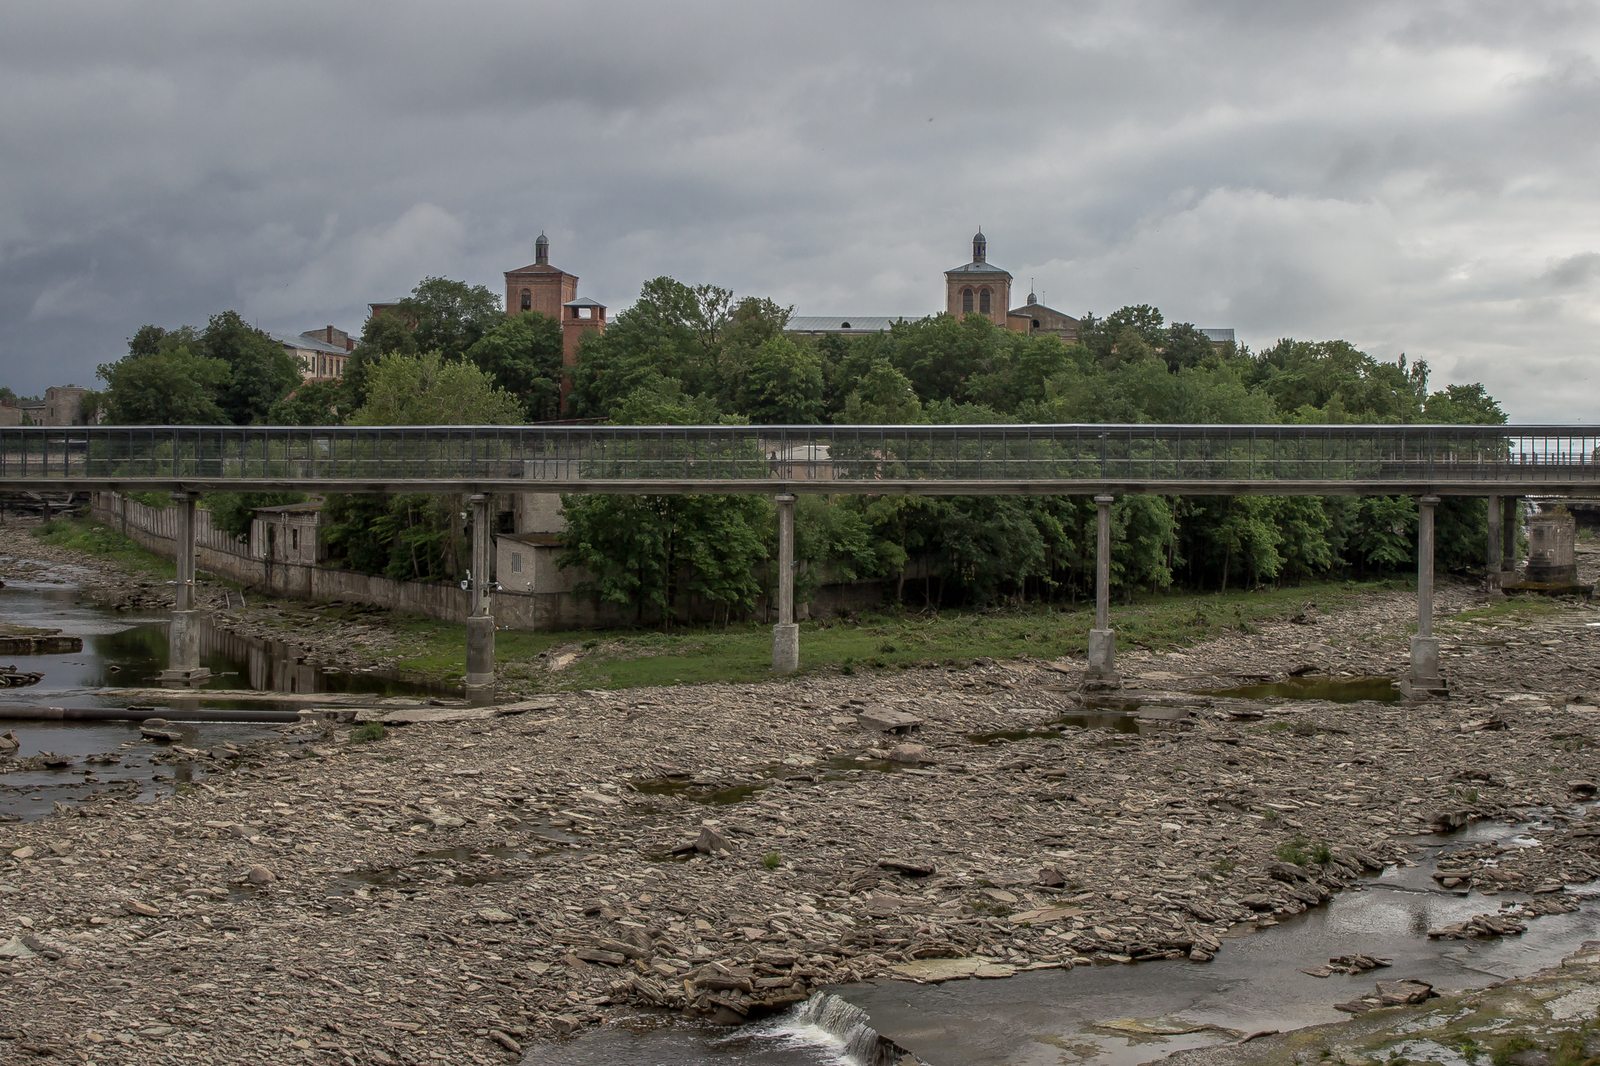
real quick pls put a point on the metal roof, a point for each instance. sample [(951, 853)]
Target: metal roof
[(978, 268), (306, 344), (840, 324), (1218, 336), (584, 301)]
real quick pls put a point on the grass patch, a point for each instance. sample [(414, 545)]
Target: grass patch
[(105, 543), (772, 860), (1294, 851), (1512, 610), (369, 732), (883, 640)]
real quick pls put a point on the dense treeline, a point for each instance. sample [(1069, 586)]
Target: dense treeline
[(696, 355)]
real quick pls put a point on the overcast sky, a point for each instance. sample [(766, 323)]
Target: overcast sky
[(1411, 177)]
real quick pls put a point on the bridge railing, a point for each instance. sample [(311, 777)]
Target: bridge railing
[(842, 454)]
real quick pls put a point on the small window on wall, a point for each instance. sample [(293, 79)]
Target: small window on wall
[(505, 522), (983, 301), (527, 300), (516, 562), (294, 539), (966, 301)]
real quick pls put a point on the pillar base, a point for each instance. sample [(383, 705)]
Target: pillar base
[(1492, 580), (183, 651), (1421, 681), (1102, 674), (480, 651), (785, 648), (183, 678)]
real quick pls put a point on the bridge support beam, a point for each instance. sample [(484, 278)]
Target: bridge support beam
[(480, 623), (1510, 506), (183, 633), (1422, 680), (1102, 673), (1491, 566), (786, 634)]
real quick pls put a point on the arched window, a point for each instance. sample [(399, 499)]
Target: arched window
[(527, 300), (966, 301), (983, 301)]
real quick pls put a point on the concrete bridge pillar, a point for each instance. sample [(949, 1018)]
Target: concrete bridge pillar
[(1422, 680), (480, 623), (1102, 672), (1510, 506), (1491, 567), (786, 634), (183, 634)]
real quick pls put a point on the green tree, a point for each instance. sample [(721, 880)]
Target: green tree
[(423, 390), (883, 396), (672, 331), (782, 384), (315, 403), (449, 316), (168, 387), (386, 333), (522, 355), (652, 553), (260, 370)]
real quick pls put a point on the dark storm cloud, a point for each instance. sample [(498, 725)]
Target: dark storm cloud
[(1412, 177)]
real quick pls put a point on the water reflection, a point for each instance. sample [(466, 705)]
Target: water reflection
[(128, 652)]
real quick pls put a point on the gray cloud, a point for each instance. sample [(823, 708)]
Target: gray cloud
[(1412, 177)]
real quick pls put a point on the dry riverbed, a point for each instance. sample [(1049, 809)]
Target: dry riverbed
[(457, 891)]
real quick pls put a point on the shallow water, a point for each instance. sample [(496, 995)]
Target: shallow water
[(1255, 983), (1331, 689), (32, 794), (123, 650), (127, 650)]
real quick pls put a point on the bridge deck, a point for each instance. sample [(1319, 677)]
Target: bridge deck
[(923, 460)]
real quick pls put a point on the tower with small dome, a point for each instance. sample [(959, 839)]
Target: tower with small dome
[(979, 287), (539, 286)]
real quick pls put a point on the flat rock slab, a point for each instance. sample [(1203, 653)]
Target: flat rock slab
[(887, 719), (934, 971), (419, 715)]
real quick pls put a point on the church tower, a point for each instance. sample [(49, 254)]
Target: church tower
[(978, 288), (539, 286)]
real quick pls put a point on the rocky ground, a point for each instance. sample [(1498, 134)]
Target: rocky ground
[(456, 891)]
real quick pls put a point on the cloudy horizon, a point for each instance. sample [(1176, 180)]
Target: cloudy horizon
[(1413, 178)]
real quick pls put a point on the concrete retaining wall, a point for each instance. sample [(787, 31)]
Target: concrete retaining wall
[(155, 529)]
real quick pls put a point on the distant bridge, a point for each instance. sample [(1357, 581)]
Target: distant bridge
[(921, 460)]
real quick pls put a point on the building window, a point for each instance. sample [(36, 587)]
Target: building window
[(294, 539), (983, 301), (527, 300), (516, 562), (966, 301)]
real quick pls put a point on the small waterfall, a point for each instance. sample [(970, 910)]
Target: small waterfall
[(848, 1022)]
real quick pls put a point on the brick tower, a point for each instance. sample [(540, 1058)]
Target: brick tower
[(539, 286), (979, 287)]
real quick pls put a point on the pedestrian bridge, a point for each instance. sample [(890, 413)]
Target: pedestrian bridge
[(922, 460), (1500, 462)]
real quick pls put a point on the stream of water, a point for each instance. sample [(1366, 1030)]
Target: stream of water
[(125, 650), (1051, 1017)]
